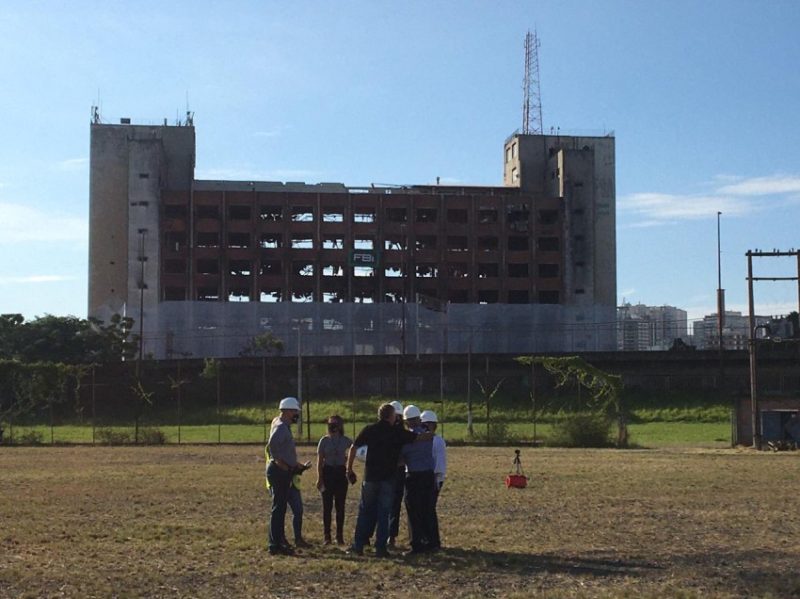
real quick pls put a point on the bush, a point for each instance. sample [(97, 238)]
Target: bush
[(108, 436), (152, 436), (30, 438), (581, 430), (497, 433)]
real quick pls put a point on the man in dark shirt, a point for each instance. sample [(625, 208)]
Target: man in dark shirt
[(384, 442)]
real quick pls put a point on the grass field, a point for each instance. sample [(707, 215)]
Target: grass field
[(191, 522)]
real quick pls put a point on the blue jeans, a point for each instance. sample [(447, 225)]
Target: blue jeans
[(295, 501), (279, 481), (373, 512)]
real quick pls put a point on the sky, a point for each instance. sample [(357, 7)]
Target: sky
[(702, 98)]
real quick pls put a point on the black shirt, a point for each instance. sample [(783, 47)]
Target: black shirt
[(384, 442)]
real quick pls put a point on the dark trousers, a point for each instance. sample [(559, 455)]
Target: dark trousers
[(279, 481), (399, 490), (334, 478), (295, 501), (420, 508), (436, 542)]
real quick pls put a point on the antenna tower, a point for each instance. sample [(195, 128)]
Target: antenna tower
[(532, 93)]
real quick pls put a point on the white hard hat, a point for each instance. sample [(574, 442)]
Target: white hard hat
[(411, 411), (361, 453), (429, 416), (398, 407), (289, 403)]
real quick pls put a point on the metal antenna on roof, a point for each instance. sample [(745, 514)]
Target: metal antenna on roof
[(531, 89)]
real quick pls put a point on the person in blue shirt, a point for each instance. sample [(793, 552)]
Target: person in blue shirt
[(420, 486)]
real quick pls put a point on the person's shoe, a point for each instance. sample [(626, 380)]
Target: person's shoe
[(327, 541), (340, 540), (382, 553), (281, 550), (413, 552), (353, 550), (301, 543)]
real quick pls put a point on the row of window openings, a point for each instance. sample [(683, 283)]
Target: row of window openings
[(485, 296), (244, 268), (515, 213), (455, 243)]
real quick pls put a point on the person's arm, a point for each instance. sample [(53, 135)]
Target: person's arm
[(351, 456), (320, 464)]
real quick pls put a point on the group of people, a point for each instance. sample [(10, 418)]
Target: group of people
[(405, 462)]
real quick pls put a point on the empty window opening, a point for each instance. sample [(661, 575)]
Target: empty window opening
[(547, 244), (239, 295), (240, 268), (174, 211), (517, 217), (238, 240), (302, 214), (211, 212), (331, 242), (364, 215), (302, 242), (393, 297), (303, 324), (548, 217), (364, 243), (514, 175), (271, 214), (364, 297), (331, 324), (508, 154), (459, 270), (487, 296), (270, 296), (239, 212), (174, 241), (487, 216), (548, 297), (207, 267), (207, 294), (457, 243), (303, 297), (333, 270), (518, 296), (487, 244), (517, 243), (396, 215), (363, 271), (271, 241), (270, 267), (488, 271), (174, 294), (393, 272), (514, 150), (332, 297), (333, 215), (425, 242), (456, 215), (458, 296), (427, 271), (303, 269), (175, 267), (207, 240), (391, 243), (517, 270), (548, 271), (426, 215)]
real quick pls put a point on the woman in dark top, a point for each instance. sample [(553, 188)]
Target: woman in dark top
[(332, 477)]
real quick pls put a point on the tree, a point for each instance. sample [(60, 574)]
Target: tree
[(263, 344)]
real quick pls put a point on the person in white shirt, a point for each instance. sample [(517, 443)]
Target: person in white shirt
[(430, 421)]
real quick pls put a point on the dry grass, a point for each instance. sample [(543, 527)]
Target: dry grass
[(191, 522)]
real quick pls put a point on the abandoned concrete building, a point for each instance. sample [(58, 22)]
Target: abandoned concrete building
[(204, 266)]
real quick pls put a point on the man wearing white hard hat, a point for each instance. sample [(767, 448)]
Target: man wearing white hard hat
[(430, 421), (418, 458), (400, 483), (281, 467)]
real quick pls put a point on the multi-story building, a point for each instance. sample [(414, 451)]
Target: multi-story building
[(204, 266), (735, 330), (643, 328)]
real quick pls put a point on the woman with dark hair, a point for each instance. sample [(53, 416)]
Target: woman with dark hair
[(332, 476)]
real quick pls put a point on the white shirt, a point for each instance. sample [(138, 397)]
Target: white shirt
[(439, 458)]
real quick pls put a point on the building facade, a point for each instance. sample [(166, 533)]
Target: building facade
[(650, 328), (735, 330), (204, 266)]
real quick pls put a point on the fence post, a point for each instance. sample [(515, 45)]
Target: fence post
[(264, 393), (94, 405)]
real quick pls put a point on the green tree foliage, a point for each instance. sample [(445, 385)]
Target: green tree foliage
[(265, 344), (66, 339)]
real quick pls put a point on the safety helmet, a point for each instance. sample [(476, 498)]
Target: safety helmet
[(429, 416), (289, 403), (398, 407), (411, 411)]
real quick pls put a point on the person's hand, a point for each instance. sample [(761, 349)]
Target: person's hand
[(320, 486), (351, 476)]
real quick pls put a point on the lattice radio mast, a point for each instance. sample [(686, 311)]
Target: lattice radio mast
[(532, 93)]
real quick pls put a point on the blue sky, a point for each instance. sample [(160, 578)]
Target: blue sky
[(702, 96)]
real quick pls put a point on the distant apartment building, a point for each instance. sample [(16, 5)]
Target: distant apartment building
[(735, 330), (649, 328)]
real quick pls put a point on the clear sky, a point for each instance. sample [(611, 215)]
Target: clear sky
[(703, 98)]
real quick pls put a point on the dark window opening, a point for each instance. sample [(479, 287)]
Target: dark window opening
[(548, 271), (580, 291), (517, 270), (175, 267), (270, 267), (174, 211), (548, 297), (238, 240), (487, 216), (207, 294), (302, 214), (517, 243), (518, 296), (303, 269), (457, 215), (578, 212), (425, 242), (239, 212), (207, 212), (391, 242), (207, 240), (488, 296), (174, 241), (207, 267), (548, 217), (458, 296), (458, 270), (393, 297), (578, 239), (547, 244), (332, 297), (271, 241), (426, 215), (396, 215), (427, 271), (457, 243), (517, 217), (174, 294), (240, 268), (271, 214), (144, 175), (488, 271), (487, 244)]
